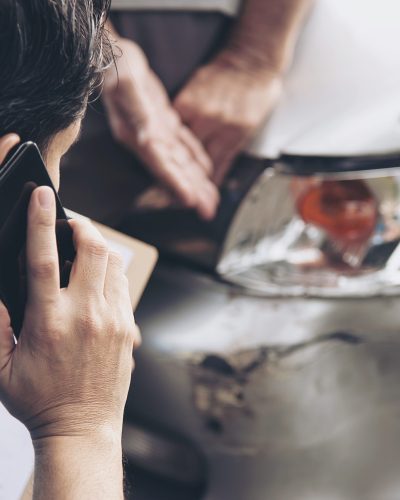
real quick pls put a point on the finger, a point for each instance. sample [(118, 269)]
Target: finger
[(205, 193), (6, 144), (169, 173), (223, 149), (90, 265), (41, 247), (116, 286), (195, 175), (196, 149), (208, 206), (7, 344), (116, 293), (208, 197), (185, 179)]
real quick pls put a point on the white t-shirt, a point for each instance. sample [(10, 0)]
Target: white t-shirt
[(342, 94), (229, 7)]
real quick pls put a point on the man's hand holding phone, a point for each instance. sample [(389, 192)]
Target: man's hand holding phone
[(68, 376)]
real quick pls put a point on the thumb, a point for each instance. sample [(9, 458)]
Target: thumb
[(7, 343)]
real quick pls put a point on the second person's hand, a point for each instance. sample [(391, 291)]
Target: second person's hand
[(143, 120), (224, 104)]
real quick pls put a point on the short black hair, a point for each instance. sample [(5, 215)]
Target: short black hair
[(52, 56)]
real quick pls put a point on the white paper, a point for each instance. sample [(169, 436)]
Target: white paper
[(342, 94)]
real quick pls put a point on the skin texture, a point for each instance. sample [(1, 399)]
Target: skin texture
[(224, 106), (58, 147), (191, 144), (67, 379), (143, 120), (226, 101)]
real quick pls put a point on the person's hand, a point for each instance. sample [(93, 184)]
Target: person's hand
[(69, 373), (224, 105), (143, 120)]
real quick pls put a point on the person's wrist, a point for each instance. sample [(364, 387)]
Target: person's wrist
[(91, 465), (245, 60), (104, 438), (85, 424)]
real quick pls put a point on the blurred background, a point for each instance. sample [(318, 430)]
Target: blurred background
[(269, 363), (256, 144)]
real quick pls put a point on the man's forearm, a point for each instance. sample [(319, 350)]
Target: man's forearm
[(74, 468), (266, 33)]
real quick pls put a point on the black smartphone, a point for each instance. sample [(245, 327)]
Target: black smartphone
[(23, 171)]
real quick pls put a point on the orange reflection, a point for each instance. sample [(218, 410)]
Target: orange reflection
[(346, 210)]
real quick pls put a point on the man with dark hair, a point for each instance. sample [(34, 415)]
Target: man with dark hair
[(52, 56), (67, 378)]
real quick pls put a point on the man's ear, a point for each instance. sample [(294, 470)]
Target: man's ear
[(7, 142)]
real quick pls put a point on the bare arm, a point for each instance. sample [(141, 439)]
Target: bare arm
[(266, 33), (68, 376), (142, 118), (77, 467), (228, 99)]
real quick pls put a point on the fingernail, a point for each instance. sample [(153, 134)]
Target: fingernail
[(12, 139), (46, 197)]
